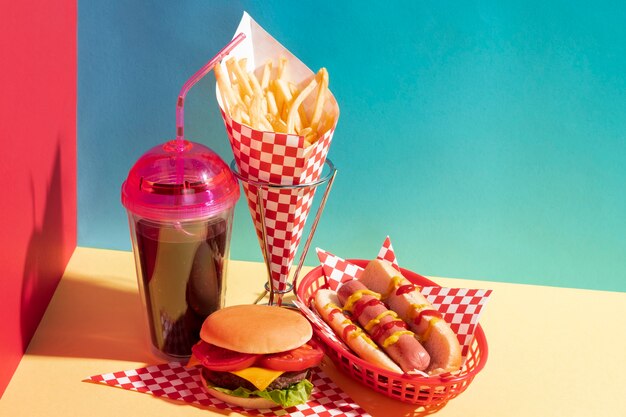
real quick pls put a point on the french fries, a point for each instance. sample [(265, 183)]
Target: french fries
[(273, 103)]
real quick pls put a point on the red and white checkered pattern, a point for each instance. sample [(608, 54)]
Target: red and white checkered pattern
[(461, 307), (386, 253), (176, 382), (336, 269), (278, 159)]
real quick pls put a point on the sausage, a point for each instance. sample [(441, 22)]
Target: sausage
[(327, 305), (405, 299), (383, 325)]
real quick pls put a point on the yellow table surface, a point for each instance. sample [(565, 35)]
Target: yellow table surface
[(552, 351)]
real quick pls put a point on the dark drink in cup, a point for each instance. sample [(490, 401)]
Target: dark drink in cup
[(180, 206), (195, 254)]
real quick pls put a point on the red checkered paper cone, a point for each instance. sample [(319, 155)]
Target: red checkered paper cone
[(277, 158)]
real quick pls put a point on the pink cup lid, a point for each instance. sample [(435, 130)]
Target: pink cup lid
[(175, 184)]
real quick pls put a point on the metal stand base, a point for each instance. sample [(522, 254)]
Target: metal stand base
[(276, 295)]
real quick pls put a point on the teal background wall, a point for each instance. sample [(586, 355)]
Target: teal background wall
[(487, 138)]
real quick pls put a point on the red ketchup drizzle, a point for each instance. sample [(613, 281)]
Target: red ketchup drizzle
[(404, 289), (382, 328), (332, 313), (361, 306), (428, 313), (348, 329)]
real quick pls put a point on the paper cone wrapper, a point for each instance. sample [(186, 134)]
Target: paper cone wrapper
[(277, 158), (460, 307)]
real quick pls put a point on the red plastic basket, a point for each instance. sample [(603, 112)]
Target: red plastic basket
[(431, 393)]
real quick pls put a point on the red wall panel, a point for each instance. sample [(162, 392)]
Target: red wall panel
[(37, 164)]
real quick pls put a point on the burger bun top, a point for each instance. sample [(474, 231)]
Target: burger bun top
[(258, 329)]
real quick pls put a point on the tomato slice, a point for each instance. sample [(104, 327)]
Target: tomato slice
[(299, 359), (220, 359)]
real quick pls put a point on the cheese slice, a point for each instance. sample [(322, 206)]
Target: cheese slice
[(193, 361), (259, 377)]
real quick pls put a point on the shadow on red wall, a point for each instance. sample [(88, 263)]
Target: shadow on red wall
[(39, 237), (37, 165), (46, 254)]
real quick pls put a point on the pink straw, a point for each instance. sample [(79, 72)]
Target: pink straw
[(180, 104)]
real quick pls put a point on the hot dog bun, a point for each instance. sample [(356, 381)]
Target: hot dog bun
[(433, 332), (327, 305)]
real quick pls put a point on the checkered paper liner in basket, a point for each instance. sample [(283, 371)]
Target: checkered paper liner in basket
[(277, 158), (460, 307), (177, 382)]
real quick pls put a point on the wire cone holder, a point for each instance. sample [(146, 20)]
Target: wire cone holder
[(260, 195)]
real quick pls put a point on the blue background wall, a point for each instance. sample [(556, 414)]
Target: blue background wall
[(487, 138)]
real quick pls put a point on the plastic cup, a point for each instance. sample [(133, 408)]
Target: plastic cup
[(180, 202)]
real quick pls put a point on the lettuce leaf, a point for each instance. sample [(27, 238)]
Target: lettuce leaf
[(295, 394)]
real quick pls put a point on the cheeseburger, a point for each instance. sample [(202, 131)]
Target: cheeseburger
[(257, 356)]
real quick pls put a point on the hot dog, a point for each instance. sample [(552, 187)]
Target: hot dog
[(427, 323), (384, 327), (327, 305)]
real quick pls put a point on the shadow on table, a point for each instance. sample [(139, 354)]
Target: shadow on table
[(92, 320), (374, 402), (401, 409), (422, 411)]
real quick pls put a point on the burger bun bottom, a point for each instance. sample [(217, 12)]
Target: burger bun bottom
[(250, 402)]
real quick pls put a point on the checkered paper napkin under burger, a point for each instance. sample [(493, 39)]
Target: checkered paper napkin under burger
[(460, 307), (277, 158), (174, 381)]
